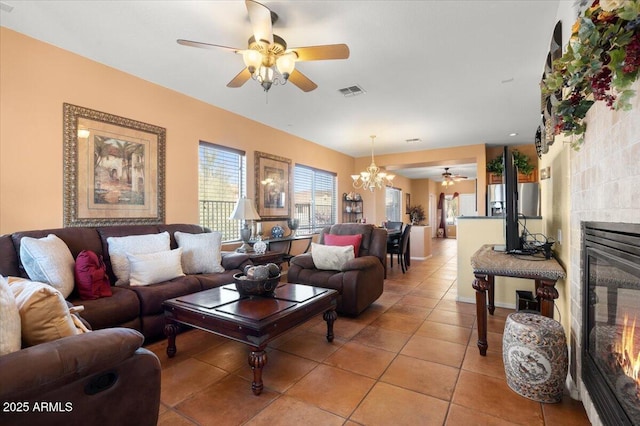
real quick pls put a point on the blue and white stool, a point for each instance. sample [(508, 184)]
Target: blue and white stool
[(534, 352)]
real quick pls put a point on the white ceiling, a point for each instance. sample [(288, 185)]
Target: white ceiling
[(450, 73)]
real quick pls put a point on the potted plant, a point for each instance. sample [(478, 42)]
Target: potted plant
[(521, 160), (416, 214)]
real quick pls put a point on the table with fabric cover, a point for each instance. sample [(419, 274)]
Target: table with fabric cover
[(488, 263)]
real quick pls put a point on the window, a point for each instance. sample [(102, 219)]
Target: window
[(314, 198), (221, 181), (451, 206), (393, 204)]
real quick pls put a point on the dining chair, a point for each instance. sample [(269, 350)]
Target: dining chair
[(395, 228), (400, 248)]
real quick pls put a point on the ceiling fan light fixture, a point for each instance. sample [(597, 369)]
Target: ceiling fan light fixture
[(286, 64), (265, 77), (266, 58), (252, 59)]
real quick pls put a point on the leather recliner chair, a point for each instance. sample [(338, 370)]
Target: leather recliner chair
[(103, 377), (361, 280)]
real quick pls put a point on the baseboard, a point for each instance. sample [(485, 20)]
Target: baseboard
[(421, 258)]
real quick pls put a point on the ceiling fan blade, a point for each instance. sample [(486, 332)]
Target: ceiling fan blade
[(302, 81), (260, 17), (240, 79), (317, 53), (204, 45)]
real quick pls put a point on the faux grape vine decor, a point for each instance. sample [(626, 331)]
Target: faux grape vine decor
[(601, 63)]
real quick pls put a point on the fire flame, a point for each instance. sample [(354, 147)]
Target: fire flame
[(627, 358)]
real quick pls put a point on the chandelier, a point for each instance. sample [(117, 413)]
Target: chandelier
[(267, 63), (372, 177)]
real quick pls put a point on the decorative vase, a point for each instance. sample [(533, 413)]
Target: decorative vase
[(260, 247), (293, 224), (277, 231)]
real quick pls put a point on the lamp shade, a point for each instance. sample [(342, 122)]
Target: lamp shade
[(286, 64), (244, 210), (252, 59)]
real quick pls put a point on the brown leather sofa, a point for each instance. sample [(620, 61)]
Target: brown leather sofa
[(102, 378), (361, 280), (139, 308)]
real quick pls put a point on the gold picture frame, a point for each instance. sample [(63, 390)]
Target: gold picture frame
[(114, 169), (274, 178)]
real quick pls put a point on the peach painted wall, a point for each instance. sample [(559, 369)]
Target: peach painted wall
[(37, 78), (420, 190)]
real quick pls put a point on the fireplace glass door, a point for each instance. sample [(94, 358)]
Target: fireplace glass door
[(611, 346)]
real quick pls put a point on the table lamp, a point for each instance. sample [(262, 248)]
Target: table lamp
[(245, 211)]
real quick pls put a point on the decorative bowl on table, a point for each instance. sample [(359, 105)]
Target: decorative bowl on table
[(259, 280)]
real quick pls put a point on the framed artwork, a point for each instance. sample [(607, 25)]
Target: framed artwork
[(273, 176), (113, 169), (407, 202)]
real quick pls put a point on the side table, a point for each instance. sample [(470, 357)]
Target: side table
[(487, 264)]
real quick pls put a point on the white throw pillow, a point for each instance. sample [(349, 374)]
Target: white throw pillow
[(10, 339), (154, 268), (44, 314), (48, 260), (331, 257), (201, 253), (119, 247)]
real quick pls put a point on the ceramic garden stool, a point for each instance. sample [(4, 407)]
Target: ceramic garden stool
[(534, 351)]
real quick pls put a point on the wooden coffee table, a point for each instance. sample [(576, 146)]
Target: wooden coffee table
[(254, 321)]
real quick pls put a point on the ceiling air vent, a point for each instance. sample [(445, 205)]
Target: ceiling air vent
[(352, 91), (414, 140)]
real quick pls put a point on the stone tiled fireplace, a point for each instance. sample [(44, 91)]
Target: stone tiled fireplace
[(611, 323), (605, 187)]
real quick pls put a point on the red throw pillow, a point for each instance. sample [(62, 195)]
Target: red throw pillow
[(91, 276), (344, 240)]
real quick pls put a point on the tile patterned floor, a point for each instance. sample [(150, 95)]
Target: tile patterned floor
[(409, 359)]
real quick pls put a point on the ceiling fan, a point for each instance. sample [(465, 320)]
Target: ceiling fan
[(267, 58), (449, 178)]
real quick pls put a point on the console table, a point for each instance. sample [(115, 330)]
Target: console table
[(283, 244), (487, 264)]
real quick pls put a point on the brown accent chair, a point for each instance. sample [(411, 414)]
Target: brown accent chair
[(361, 280)]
